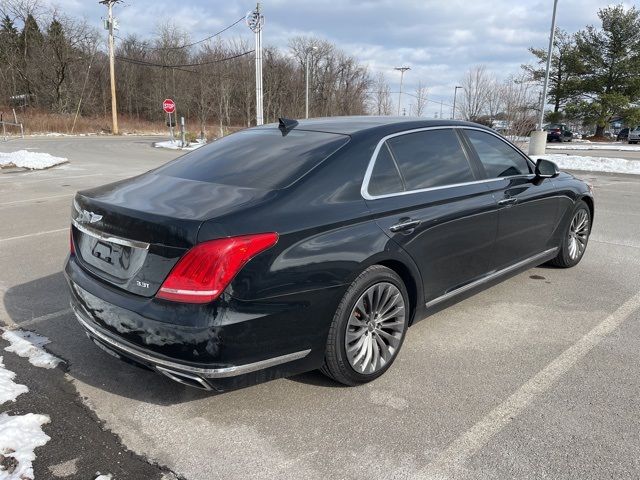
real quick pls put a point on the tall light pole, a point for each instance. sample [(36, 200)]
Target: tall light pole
[(549, 55), (455, 94), (255, 21), (402, 70), (112, 73), (306, 61)]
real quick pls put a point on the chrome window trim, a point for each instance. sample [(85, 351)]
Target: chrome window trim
[(369, 172)]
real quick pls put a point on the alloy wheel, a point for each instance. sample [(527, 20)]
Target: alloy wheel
[(375, 328), (578, 234)]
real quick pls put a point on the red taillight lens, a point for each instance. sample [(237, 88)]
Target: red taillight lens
[(203, 273), (72, 249), (556, 130)]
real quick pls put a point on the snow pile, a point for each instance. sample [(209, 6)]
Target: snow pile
[(593, 164), (30, 160), (9, 390), (29, 345), (598, 146), (104, 477), (175, 145), (19, 436)]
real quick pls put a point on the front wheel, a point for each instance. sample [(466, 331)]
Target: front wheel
[(368, 327), (574, 242)]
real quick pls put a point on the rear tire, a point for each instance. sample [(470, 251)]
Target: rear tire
[(575, 237), (368, 328)]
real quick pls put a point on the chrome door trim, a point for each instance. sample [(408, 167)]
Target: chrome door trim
[(490, 277), (109, 238), (224, 372), (367, 176)]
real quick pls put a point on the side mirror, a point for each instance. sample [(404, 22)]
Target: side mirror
[(546, 169)]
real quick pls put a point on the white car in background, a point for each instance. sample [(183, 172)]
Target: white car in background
[(634, 135)]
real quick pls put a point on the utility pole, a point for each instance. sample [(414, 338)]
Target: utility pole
[(112, 73), (549, 55), (455, 94), (402, 70), (538, 139), (255, 21)]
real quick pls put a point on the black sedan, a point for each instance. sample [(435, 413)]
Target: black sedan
[(312, 245), (558, 132)]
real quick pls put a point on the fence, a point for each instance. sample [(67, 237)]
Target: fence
[(6, 124)]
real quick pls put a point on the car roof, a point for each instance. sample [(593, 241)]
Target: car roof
[(359, 124)]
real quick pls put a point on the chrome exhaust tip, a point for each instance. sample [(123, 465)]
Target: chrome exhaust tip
[(185, 378)]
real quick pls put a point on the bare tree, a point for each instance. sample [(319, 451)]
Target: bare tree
[(420, 100), (476, 86), (380, 98)]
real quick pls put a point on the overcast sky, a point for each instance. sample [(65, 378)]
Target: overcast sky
[(439, 40)]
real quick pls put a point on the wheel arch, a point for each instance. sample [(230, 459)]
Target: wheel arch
[(403, 265), (589, 201)]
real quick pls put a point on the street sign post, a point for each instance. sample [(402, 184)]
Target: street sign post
[(169, 106)]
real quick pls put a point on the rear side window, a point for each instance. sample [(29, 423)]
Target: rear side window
[(385, 177), (497, 157), (258, 158), (432, 158)]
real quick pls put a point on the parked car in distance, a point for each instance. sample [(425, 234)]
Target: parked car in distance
[(311, 245), (634, 135), (622, 135), (558, 132)]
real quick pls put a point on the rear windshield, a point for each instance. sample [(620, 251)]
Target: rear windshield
[(257, 158)]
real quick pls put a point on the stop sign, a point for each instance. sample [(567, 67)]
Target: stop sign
[(169, 106)]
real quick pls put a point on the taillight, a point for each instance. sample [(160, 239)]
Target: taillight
[(203, 273), (556, 130), (72, 248)]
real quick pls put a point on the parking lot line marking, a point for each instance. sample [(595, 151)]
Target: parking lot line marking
[(16, 179), (40, 319), (16, 202), (450, 463), (19, 237)]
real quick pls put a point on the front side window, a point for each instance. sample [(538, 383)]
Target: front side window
[(432, 158), (497, 157)]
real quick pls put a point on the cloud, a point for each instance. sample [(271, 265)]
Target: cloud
[(440, 40)]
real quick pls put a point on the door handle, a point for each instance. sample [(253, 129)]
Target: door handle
[(405, 224), (508, 201)]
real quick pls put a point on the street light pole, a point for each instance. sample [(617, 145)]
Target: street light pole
[(306, 61), (112, 73), (402, 70), (455, 94), (549, 55), (255, 21)]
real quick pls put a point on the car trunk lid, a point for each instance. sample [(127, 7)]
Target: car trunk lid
[(131, 233)]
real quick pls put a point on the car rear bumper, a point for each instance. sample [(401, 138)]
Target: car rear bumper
[(220, 347)]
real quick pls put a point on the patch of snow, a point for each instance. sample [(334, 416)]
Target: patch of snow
[(19, 437), (30, 160), (593, 164), (176, 145), (29, 345), (9, 390), (104, 477), (598, 146)]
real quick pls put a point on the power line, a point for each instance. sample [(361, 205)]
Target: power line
[(200, 41), (181, 65)]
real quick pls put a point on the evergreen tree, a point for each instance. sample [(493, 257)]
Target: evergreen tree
[(609, 65)]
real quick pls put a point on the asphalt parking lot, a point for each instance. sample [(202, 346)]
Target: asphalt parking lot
[(537, 377)]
